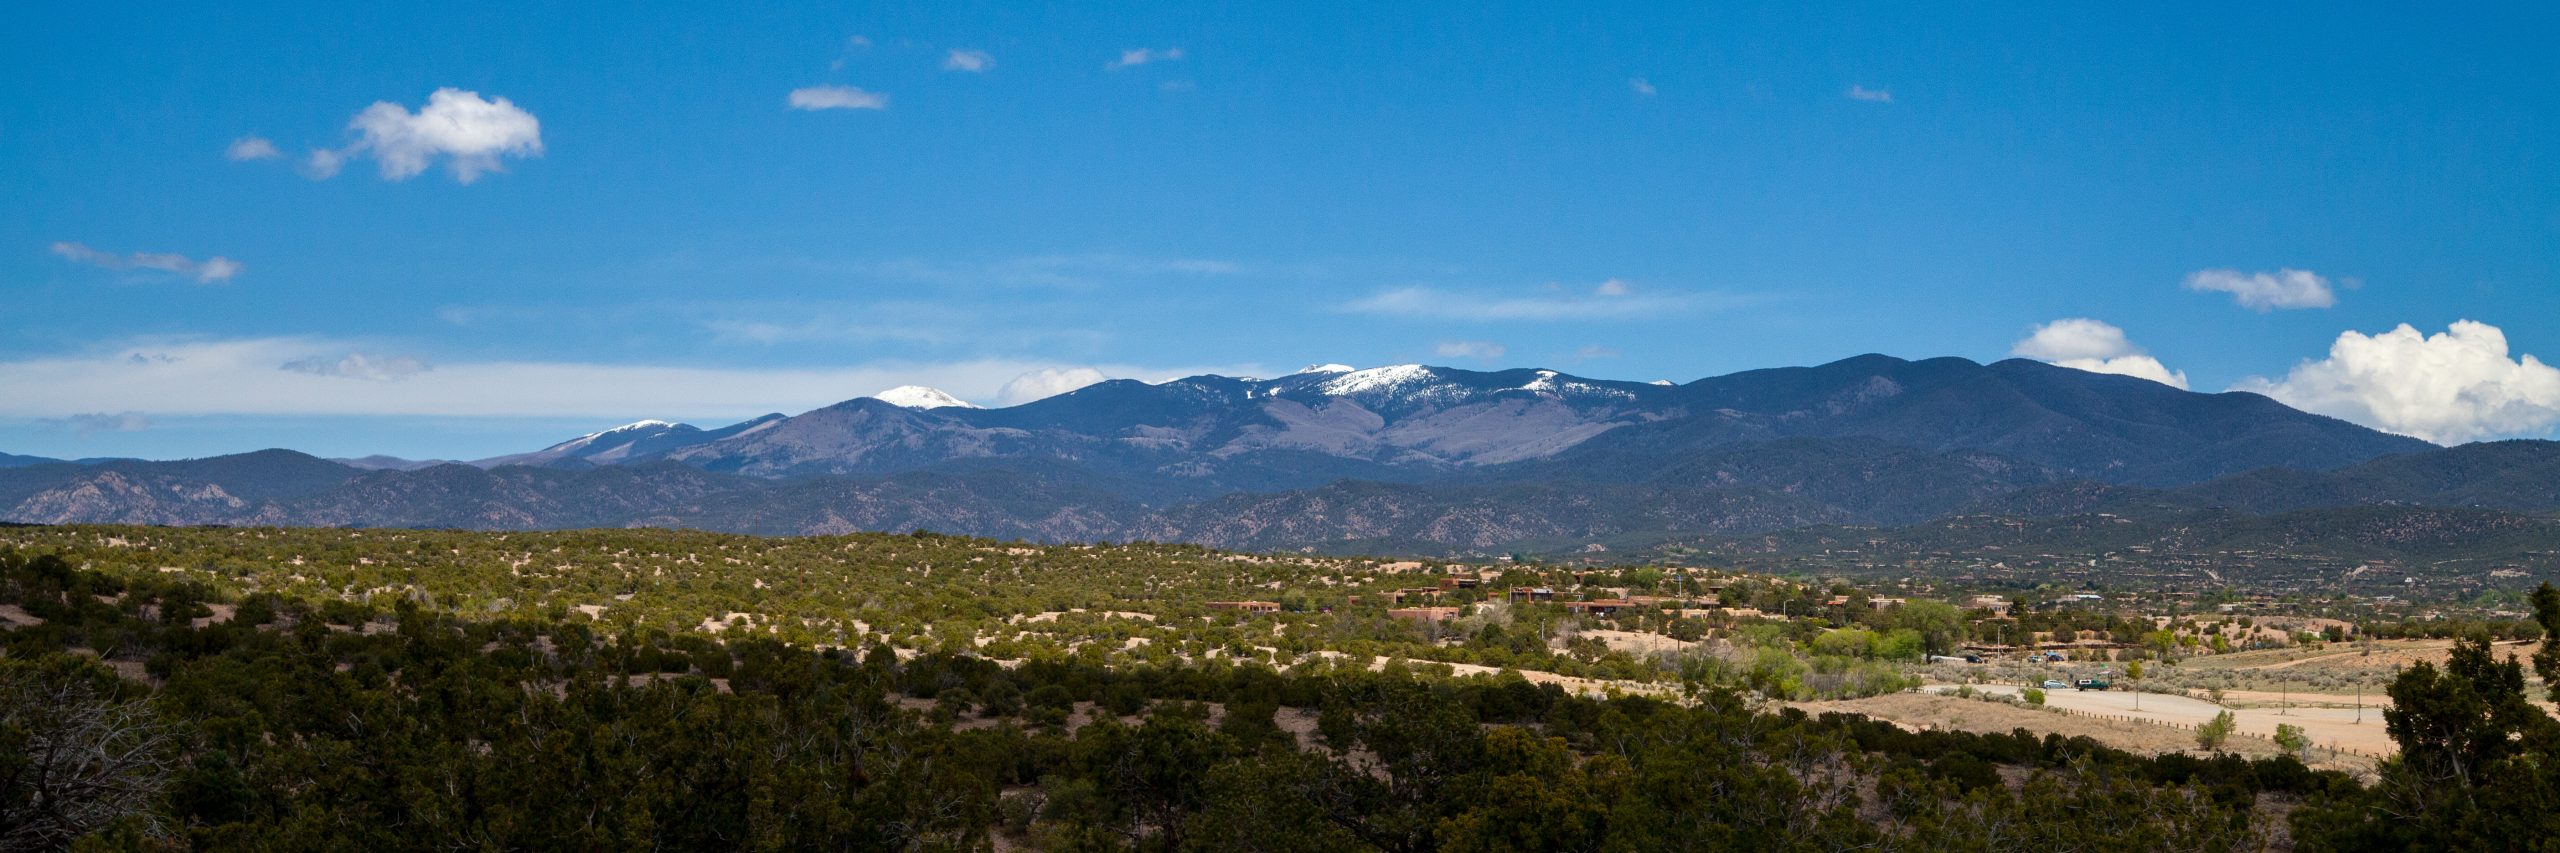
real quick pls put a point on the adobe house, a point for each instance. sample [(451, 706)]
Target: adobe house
[(1598, 606), (1525, 593), (1256, 607), (1425, 614)]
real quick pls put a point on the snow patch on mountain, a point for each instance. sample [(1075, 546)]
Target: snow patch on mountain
[(921, 397), (1324, 368), (1388, 379)]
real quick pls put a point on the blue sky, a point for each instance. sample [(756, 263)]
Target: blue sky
[(1621, 191)]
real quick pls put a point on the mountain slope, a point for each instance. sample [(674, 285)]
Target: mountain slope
[(1406, 456)]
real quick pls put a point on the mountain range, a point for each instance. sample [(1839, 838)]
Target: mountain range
[(1408, 457)]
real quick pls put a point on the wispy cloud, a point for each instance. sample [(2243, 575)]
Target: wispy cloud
[(248, 148), (1075, 271), (973, 61), (836, 98), (1613, 299), (1640, 86), (1874, 96), (358, 365), (1480, 350), (241, 377), (87, 424), (472, 134), (211, 270), (2267, 291), (1137, 56)]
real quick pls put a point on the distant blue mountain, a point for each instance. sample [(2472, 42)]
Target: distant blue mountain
[(1432, 457)]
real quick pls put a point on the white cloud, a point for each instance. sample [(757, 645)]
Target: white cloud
[(2263, 292), (1484, 350), (358, 365), (1047, 382), (472, 134), (241, 377), (87, 424), (2447, 388), (1873, 96), (251, 148), (1609, 300), (323, 164), (211, 270), (973, 61), (1640, 86), (2081, 343), (1140, 56), (837, 98)]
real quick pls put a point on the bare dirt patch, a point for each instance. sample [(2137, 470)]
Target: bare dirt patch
[(1935, 712)]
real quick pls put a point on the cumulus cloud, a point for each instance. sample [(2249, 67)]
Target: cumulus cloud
[(87, 424), (358, 365), (251, 148), (1873, 96), (972, 61), (1484, 350), (1140, 56), (172, 378), (2081, 343), (2456, 386), (2263, 292), (211, 270), (836, 98), (1609, 300), (1047, 382), (1640, 86), (470, 133)]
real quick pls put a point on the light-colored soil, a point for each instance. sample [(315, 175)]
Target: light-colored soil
[(1638, 642), (1930, 711), (2329, 727), (18, 617)]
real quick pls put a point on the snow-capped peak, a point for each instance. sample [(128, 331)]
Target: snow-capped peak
[(1664, 382), (644, 424), (650, 425), (1390, 378), (920, 397), (1324, 368)]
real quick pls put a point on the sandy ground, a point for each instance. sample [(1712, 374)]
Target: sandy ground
[(1638, 642), (1576, 685), (1931, 711), (2333, 727)]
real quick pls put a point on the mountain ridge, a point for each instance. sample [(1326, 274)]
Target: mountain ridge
[(1435, 458)]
